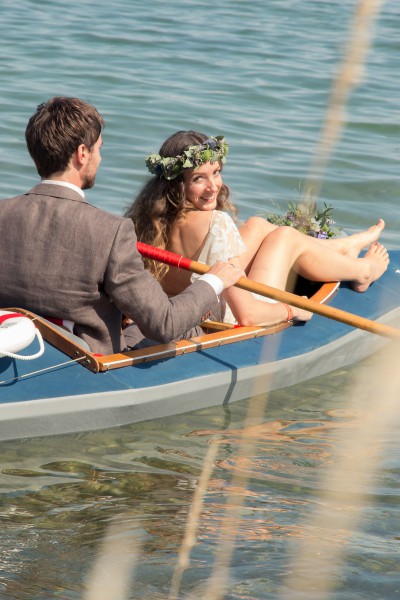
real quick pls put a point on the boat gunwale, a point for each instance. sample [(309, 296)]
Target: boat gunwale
[(222, 334)]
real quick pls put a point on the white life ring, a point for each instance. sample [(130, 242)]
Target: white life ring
[(17, 332)]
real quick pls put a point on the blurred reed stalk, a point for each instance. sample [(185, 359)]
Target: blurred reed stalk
[(339, 507), (112, 573), (231, 521), (216, 585), (349, 76), (193, 521)]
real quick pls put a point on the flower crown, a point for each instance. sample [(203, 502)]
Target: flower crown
[(212, 150)]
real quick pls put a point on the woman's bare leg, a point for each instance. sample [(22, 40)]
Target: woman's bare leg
[(256, 229), (253, 233), (285, 249)]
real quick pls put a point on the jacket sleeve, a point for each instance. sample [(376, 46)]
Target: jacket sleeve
[(139, 296)]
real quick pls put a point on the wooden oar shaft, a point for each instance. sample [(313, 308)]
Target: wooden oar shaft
[(324, 310)]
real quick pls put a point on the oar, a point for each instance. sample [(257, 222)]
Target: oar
[(175, 260)]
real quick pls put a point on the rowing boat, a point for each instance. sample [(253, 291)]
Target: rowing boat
[(67, 389)]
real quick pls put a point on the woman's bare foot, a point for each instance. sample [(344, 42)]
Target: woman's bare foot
[(352, 245), (377, 258)]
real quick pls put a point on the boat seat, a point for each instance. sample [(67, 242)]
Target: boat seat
[(74, 338)]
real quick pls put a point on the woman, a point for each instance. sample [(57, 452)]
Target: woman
[(182, 209)]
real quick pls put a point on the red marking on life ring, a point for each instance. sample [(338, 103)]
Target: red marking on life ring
[(10, 316)]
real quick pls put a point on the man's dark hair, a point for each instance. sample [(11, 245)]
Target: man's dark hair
[(56, 130)]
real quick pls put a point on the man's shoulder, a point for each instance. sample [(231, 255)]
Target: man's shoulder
[(67, 206), (49, 194)]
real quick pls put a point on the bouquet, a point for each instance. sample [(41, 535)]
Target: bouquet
[(308, 219)]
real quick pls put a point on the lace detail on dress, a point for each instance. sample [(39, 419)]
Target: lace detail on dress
[(223, 240)]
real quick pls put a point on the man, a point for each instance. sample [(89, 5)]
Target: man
[(63, 258)]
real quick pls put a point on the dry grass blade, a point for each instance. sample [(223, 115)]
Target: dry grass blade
[(350, 75), (217, 583), (112, 573), (340, 506), (189, 539)]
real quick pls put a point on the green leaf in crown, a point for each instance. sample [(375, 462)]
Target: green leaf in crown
[(212, 150)]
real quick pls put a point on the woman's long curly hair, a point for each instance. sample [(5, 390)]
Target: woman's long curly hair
[(161, 202)]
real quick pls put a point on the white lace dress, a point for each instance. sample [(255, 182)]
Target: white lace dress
[(223, 242)]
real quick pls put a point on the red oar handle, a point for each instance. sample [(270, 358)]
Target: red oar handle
[(169, 258)]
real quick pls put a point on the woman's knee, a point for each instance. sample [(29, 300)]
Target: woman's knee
[(285, 233), (259, 226)]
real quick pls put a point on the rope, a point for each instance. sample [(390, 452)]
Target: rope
[(32, 356), (39, 371)]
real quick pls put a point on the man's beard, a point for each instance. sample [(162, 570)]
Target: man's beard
[(88, 182)]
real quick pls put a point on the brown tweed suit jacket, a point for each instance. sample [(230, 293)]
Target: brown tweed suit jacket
[(62, 257)]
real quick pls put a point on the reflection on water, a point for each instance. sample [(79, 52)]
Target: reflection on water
[(60, 495)]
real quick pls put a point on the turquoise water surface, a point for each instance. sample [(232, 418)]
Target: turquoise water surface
[(260, 73)]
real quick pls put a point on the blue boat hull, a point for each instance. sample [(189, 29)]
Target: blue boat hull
[(53, 394)]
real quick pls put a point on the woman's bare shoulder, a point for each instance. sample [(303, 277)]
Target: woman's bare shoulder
[(189, 233), (198, 217)]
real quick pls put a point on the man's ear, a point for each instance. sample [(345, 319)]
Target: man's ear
[(82, 154)]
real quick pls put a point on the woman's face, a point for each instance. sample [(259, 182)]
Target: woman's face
[(202, 185)]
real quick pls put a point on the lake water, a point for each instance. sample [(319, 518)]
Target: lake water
[(260, 73)]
